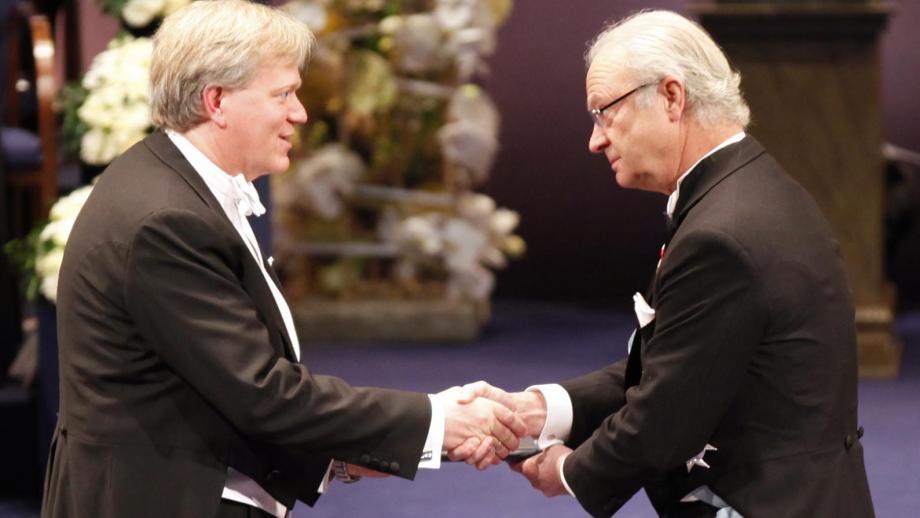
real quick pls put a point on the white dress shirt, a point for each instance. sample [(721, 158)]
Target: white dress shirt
[(558, 423), (238, 487)]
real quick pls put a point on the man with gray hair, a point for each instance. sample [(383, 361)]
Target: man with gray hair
[(738, 395), (182, 394)]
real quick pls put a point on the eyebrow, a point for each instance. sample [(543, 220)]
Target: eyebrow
[(288, 86)]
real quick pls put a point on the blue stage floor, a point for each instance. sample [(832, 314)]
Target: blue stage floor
[(528, 344)]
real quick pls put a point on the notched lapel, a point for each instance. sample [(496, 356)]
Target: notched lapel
[(253, 282), (163, 148)]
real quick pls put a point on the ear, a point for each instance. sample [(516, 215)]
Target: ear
[(675, 97), (212, 97)]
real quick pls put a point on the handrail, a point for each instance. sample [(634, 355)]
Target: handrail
[(46, 90)]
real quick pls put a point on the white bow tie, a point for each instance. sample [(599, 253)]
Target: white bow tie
[(245, 196)]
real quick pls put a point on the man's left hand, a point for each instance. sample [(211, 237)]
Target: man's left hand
[(544, 470)]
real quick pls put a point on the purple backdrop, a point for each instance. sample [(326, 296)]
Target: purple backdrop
[(590, 240)]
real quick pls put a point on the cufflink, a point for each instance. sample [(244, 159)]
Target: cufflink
[(340, 470)]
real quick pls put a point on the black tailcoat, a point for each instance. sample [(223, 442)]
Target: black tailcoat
[(175, 363), (753, 351)]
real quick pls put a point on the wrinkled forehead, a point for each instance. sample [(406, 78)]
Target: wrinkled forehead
[(606, 76)]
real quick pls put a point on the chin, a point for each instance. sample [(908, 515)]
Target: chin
[(280, 166), (626, 181)]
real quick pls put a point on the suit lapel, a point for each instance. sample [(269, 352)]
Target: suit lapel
[(253, 281), (706, 175), (710, 172)]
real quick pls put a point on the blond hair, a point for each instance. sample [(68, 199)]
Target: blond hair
[(217, 42), (655, 44)]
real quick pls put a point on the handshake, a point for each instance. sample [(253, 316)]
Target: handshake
[(484, 424)]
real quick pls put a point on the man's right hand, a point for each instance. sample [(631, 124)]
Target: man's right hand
[(486, 430), (530, 406)]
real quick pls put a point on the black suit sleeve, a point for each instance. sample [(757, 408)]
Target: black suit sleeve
[(595, 396), (182, 289), (708, 322)]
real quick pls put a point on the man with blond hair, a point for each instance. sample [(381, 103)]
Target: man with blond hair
[(738, 395), (182, 394)]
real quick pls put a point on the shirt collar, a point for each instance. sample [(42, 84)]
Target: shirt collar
[(672, 199), (223, 185)]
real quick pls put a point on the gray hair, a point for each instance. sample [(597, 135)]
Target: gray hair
[(655, 44), (217, 42)]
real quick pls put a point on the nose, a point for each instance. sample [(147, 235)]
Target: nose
[(598, 140), (298, 114)]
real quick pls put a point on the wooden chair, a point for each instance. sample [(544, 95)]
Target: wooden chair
[(29, 134)]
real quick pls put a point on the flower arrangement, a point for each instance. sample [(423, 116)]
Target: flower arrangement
[(109, 109), (380, 201), (139, 14), (39, 254), (104, 114), (461, 244)]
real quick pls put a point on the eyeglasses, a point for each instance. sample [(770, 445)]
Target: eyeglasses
[(597, 113)]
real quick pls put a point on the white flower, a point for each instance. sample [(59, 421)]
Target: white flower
[(470, 141), (47, 267), (49, 264), (57, 232), (62, 217), (312, 13), (69, 206), (476, 207), (463, 245), (467, 146), (475, 285), (139, 13), (416, 41), (117, 107), (93, 146), (134, 117), (503, 222), (420, 234), (49, 287), (470, 26), (471, 104), (455, 14), (172, 6), (320, 181)]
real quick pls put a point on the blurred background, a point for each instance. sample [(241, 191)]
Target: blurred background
[(832, 86)]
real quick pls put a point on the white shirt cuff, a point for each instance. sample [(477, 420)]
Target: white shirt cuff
[(325, 483), (562, 477), (558, 423), (431, 453)]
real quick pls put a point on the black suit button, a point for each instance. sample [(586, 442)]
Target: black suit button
[(273, 474), (848, 442), (860, 432), (394, 467), (365, 459)]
